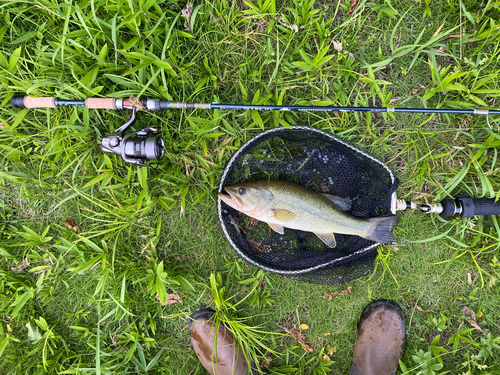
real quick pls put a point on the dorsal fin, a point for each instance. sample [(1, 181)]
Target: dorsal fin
[(343, 203)]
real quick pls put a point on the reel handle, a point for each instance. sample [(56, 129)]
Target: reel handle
[(468, 207)]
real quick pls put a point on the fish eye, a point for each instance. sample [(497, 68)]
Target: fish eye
[(242, 191)]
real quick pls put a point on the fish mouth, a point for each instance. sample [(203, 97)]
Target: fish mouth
[(229, 199)]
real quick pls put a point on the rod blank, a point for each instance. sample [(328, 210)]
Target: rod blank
[(160, 105)]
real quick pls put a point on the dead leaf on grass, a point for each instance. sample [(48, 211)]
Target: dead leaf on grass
[(186, 13), (299, 337), (71, 224), (354, 3), (471, 318), (134, 102), (266, 360), (476, 326), (418, 307), (293, 27), (331, 350), (21, 266), (468, 313), (324, 187), (343, 293), (171, 299), (437, 31)]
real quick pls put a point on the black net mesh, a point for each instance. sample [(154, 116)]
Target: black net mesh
[(320, 162)]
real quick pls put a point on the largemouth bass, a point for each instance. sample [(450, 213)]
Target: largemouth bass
[(283, 204)]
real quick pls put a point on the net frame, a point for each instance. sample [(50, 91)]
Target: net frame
[(297, 273)]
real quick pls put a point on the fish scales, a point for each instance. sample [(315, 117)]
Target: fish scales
[(314, 212)]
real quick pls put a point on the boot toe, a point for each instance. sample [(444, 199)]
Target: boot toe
[(216, 347), (381, 339)]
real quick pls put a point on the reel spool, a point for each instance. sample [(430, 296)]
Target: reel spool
[(321, 162)]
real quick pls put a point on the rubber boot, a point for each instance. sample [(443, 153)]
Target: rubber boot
[(381, 339), (223, 358)]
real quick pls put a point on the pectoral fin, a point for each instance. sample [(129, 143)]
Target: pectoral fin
[(283, 215), (343, 203), (327, 238), (277, 228)]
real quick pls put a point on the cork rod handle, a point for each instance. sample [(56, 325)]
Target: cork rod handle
[(51, 102)]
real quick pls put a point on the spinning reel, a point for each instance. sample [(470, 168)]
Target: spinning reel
[(136, 147)]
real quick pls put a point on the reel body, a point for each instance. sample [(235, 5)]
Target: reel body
[(137, 147)]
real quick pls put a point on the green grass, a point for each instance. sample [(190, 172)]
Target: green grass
[(88, 298)]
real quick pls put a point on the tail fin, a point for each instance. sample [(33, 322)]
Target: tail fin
[(381, 229)]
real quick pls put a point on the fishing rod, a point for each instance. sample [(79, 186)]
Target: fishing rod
[(138, 147), (161, 105)]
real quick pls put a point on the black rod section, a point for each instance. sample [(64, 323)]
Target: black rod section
[(349, 109)]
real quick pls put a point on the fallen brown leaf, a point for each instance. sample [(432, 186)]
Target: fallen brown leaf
[(138, 104), (71, 224), (468, 313), (437, 31), (324, 187), (342, 293), (299, 337), (476, 326), (236, 225), (337, 46), (21, 266), (171, 299), (186, 13), (471, 318), (266, 360), (293, 27), (418, 307), (352, 7)]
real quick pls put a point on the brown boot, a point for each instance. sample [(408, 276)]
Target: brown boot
[(223, 358), (381, 339)]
